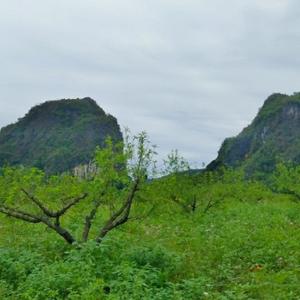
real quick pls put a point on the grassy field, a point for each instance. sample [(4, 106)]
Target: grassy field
[(215, 235), (238, 250)]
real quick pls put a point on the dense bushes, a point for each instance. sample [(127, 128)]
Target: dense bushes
[(239, 240), (237, 250), (91, 272)]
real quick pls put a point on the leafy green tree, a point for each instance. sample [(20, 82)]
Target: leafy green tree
[(286, 180), (28, 195), (229, 184), (178, 184), (122, 169)]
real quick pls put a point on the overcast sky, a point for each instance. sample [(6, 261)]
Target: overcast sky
[(189, 72)]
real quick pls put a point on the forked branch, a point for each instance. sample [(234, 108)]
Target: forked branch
[(18, 214), (48, 217), (121, 216)]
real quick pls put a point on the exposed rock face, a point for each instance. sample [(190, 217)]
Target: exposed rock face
[(87, 171), (273, 136), (57, 136)]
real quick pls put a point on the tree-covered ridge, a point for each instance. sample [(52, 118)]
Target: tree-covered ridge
[(57, 135), (273, 136)]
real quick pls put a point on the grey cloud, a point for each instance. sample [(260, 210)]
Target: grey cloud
[(189, 72)]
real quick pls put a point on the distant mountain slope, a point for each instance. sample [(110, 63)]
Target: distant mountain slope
[(57, 135), (273, 136)]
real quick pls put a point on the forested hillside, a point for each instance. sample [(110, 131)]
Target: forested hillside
[(56, 136), (273, 137)]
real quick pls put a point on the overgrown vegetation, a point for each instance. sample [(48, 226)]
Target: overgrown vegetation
[(213, 235)]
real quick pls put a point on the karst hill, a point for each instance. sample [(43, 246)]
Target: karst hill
[(57, 135)]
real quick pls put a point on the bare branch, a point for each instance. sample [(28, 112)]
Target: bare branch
[(144, 216), (64, 233), (88, 221), (181, 204), (50, 213), (210, 204), (120, 216), (30, 218), (44, 209), (61, 212), (128, 202), (194, 204), (18, 214)]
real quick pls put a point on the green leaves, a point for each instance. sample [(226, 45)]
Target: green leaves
[(175, 164), (140, 154), (286, 180), (13, 179), (120, 171)]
